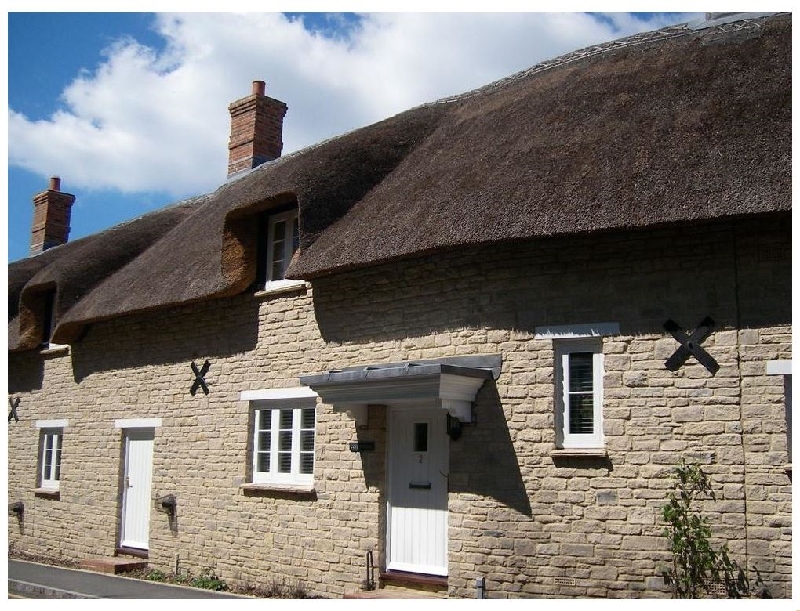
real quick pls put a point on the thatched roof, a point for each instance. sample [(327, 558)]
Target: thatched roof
[(673, 126), (77, 270)]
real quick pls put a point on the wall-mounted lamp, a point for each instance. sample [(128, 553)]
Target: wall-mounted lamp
[(168, 503), (453, 428), (17, 508)]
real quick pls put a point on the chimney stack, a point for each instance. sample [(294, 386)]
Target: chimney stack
[(256, 130), (52, 210)]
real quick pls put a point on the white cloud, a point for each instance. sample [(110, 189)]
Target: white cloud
[(143, 121)]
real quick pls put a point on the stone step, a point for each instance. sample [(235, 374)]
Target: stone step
[(113, 566)]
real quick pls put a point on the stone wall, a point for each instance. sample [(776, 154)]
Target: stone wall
[(534, 524)]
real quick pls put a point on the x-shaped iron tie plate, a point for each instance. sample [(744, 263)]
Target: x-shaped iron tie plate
[(14, 403), (200, 378), (690, 345)]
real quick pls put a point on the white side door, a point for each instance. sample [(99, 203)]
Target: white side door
[(136, 484), (417, 507)]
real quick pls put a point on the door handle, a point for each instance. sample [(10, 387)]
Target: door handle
[(128, 482)]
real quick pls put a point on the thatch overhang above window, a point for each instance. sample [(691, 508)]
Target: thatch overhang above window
[(451, 384)]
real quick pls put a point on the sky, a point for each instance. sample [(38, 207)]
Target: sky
[(130, 109)]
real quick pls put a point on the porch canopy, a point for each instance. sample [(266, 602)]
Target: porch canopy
[(450, 383)]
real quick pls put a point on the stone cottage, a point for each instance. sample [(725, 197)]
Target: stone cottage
[(457, 352)]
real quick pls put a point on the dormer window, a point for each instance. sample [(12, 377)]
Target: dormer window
[(282, 240), (48, 305), (279, 238), (49, 319)]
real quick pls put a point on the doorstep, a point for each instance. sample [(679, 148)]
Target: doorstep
[(112, 566), (401, 579), (398, 584)]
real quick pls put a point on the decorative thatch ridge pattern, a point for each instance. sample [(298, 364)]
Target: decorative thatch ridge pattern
[(673, 126)]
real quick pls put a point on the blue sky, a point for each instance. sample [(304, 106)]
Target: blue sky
[(130, 109)]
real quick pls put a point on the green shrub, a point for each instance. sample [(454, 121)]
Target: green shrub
[(698, 569)]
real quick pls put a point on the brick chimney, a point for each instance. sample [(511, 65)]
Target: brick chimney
[(256, 130), (51, 215)]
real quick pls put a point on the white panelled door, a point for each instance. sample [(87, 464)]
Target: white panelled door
[(417, 508), (136, 492)]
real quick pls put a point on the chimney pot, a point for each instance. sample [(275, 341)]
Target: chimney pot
[(55, 183), (259, 88)]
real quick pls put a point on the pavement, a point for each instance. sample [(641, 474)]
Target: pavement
[(32, 580)]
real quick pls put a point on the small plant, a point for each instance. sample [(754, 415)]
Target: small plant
[(208, 580), (697, 568), (155, 575), (282, 589)]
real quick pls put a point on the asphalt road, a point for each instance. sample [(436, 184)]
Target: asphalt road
[(32, 580)]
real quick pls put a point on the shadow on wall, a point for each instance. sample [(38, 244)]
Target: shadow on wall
[(483, 460), (216, 328), (25, 372), (735, 272)]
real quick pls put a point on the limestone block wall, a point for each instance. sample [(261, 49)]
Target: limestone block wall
[(532, 523)]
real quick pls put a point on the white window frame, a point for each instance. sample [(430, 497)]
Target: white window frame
[(288, 247), (266, 406), (563, 348), (50, 430), (784, 368)]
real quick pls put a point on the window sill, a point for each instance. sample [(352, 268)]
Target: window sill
[(49, 493), (279, 489), (579, 453), (280, 287), (54, 349)]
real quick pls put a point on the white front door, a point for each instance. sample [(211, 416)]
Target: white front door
[(417, 504), (136, 499)]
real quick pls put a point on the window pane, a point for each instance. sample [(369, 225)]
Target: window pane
[(263, 462), (581, 414), (278, 244), (48, 464), (278, 232), (307, 464), (306, 441), (264, 441), (287, 417), (264, 419), (277, 251), (308, 418), (284, 462), (58, 457), (49, 443), (580, 372), (277, 271), (285, 441), (420, 436)]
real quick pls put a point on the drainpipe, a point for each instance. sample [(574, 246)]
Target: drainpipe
[(480, 587)]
